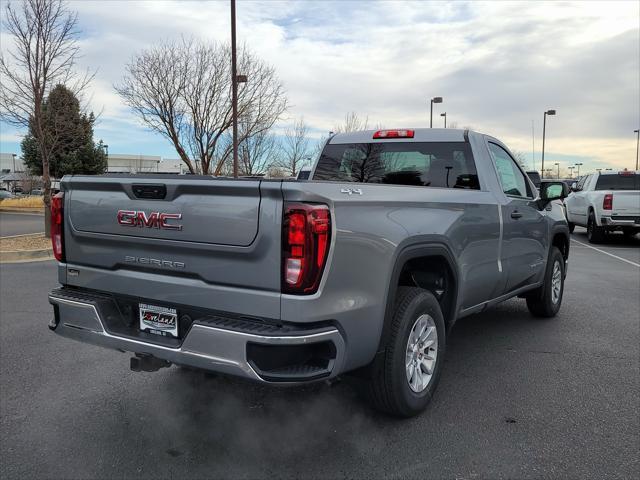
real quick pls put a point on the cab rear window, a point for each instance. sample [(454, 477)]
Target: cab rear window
[(621, 181), (428, 164)]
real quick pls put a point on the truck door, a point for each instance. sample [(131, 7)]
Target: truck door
[(525, 235), (578, 205)]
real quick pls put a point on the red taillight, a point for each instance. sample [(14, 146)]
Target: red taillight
[(393, 134), (57, 223), (607, 203), (305, 244)]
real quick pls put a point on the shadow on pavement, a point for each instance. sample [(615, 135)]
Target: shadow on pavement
[(612, 238)]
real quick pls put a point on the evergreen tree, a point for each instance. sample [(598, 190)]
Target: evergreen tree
[(70, 132)]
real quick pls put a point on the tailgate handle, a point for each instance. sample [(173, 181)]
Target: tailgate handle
[(150, 191)]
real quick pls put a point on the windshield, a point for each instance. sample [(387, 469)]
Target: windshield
[(429, 164), (626, 181)]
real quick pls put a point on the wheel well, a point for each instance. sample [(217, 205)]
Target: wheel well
[(432, 273), (560, 241)]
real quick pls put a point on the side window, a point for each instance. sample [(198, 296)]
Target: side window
[(511, 177), (583, 181)]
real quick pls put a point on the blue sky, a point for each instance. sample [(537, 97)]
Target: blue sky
[(498, 65)]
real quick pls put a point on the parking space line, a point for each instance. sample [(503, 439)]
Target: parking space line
[(607, 253)]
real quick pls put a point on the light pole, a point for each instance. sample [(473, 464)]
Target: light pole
[(445, 118), (433, 100), (578, 165), (544, 128), (558, 165), (571, 171), (637, 132), (234, 89), (14, 162)]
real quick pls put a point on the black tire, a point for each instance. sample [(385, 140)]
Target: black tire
[(541, 301), (629, 232), (595, 234), (388, 388), (572, 227)]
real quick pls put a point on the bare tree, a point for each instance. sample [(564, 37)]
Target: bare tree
[(45, 53), (352, 122), (295, 148), (182, 90), (520, 158), (256, 153)]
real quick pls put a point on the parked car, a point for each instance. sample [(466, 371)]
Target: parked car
[(5, 194), (37, 191), (534, 176), (605, 202), (365, 268), (304, 173)]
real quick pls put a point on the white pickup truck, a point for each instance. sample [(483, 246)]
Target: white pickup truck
[(605, 202)]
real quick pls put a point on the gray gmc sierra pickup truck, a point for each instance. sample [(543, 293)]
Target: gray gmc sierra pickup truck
[(364, 268)]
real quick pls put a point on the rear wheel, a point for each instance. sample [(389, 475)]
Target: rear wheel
[(546, 300), (403, 381), (595, 234)]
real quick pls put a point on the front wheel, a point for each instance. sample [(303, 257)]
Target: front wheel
[(545, 301), (403, 381)]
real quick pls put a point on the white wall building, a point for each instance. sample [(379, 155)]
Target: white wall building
[(129, 163), (10, 163), (126, 163)]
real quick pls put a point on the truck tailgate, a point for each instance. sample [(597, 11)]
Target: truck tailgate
[(626, 203), (198, 234)]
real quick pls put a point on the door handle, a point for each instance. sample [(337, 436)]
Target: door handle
[(516, 214)]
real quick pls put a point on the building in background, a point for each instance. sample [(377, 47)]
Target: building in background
[(10, 163), (128, 163), (116, 163), (125, 163)]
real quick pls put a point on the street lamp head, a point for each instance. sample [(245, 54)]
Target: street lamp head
[(550, 112), (636, 131), (443, 114), (436, 99)]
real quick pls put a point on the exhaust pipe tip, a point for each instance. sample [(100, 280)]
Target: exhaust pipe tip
[(147, 363)]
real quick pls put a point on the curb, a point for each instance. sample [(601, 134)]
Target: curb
[(15, 256), (26, 211), (22, 235)]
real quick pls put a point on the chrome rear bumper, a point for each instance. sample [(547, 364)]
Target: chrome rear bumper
[(620, 222), (204, 346)]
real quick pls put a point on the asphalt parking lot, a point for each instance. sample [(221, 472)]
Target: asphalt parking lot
[(519, 398), (20, 223)]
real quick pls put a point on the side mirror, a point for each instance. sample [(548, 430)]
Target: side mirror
[(553, 191)]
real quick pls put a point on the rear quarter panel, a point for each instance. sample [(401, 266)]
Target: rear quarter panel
[(370, 231)]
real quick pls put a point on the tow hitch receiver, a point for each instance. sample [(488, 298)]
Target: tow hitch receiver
[(147, 363)]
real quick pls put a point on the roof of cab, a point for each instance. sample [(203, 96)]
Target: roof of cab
[(420, 135)]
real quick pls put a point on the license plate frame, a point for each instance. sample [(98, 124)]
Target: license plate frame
[(158, 320)]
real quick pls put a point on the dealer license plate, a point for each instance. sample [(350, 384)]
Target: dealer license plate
[(159, 320)]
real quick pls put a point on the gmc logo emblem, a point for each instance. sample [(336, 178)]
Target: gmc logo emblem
[(138, 218)]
